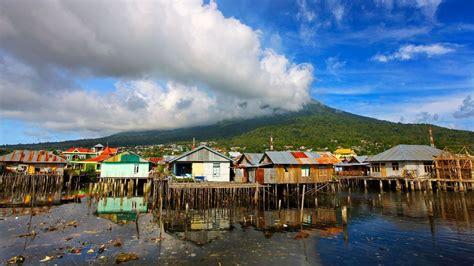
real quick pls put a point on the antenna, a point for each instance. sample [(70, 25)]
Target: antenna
[(430, 131), (271, 142)]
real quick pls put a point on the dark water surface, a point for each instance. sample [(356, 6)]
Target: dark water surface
[(389, 228)]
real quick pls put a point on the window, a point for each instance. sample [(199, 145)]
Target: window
[(216, 170), (286, 168), (136, 168), (98, 166), (395, 167), (305, 171), (376, 168), (428, 167)]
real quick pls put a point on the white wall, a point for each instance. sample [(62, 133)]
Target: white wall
[(224, 172), (124, 170), (417, 167)]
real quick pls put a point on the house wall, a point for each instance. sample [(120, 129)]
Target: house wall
[(206, 169), (417, 169), (124, 170), (37, 168), (278, 175)]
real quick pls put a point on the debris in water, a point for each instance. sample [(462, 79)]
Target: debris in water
[(90, 251), (301, 235), (75, 251), (32, 233), (68, 238), (116, 242), (124, 257), (47, 258), (101, 248), (16, 259), (103, 258)]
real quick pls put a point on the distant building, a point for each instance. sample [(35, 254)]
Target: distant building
[(78, 154), (342, 154), (202, 163), (33, 162), (404, 161), (295, 167), (125, 165), (96, 162), (355, 166), (246, 167)]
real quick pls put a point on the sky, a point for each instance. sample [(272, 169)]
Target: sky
[(80, 69)]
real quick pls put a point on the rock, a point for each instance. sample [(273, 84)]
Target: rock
[(116, 242), (16, 259), (124, 257)]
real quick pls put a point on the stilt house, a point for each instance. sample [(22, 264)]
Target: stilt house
[(202, 163), (295, 167), (409, 161)]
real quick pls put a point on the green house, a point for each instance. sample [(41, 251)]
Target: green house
[(125, 165)]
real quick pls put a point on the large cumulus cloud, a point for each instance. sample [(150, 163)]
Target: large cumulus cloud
[(176, 63)]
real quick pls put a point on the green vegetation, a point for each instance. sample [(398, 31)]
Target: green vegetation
[(316, 127)]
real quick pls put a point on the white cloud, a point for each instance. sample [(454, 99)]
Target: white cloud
[(433, 109), (305, 13), (334, 65), (210, 64), (408, 52), (466, 110), (427, 7)]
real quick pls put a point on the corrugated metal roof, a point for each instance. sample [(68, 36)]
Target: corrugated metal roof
[(406, 153), (197, 149), (361, 159), (27, 156), (287, 157), (253, 158)]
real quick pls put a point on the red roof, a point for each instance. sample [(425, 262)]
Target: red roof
[(81, 150), (155, 160), (109, 151), (99, 158)]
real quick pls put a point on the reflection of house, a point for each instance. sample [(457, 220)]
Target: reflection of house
[(404, 161), (202, 163), (285, 167), (246, 166), (342, 154), (125, 165), (355, 166), (33, 162)]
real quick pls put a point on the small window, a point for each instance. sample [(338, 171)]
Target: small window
[(136, 168), (216, 170), (286, 168), (376, 168), (305, 171), (395, 167), (428, 167), (98, 166)]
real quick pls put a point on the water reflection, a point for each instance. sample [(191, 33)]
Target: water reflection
[(121, 210)]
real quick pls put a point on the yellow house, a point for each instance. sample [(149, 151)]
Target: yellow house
[(342, 154)]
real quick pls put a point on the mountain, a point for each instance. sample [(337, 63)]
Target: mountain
[(316, 126)]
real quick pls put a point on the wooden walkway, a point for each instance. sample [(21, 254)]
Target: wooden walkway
[(212, 185)]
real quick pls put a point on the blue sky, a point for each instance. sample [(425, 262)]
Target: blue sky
[(402, 61)]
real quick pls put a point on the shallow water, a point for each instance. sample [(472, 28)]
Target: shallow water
[(388, 228)]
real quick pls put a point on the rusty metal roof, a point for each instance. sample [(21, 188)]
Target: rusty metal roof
[(406, 153), (298, 157), (253, 158), (27, 156)]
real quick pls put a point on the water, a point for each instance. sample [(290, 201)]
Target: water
[(388, 228)]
